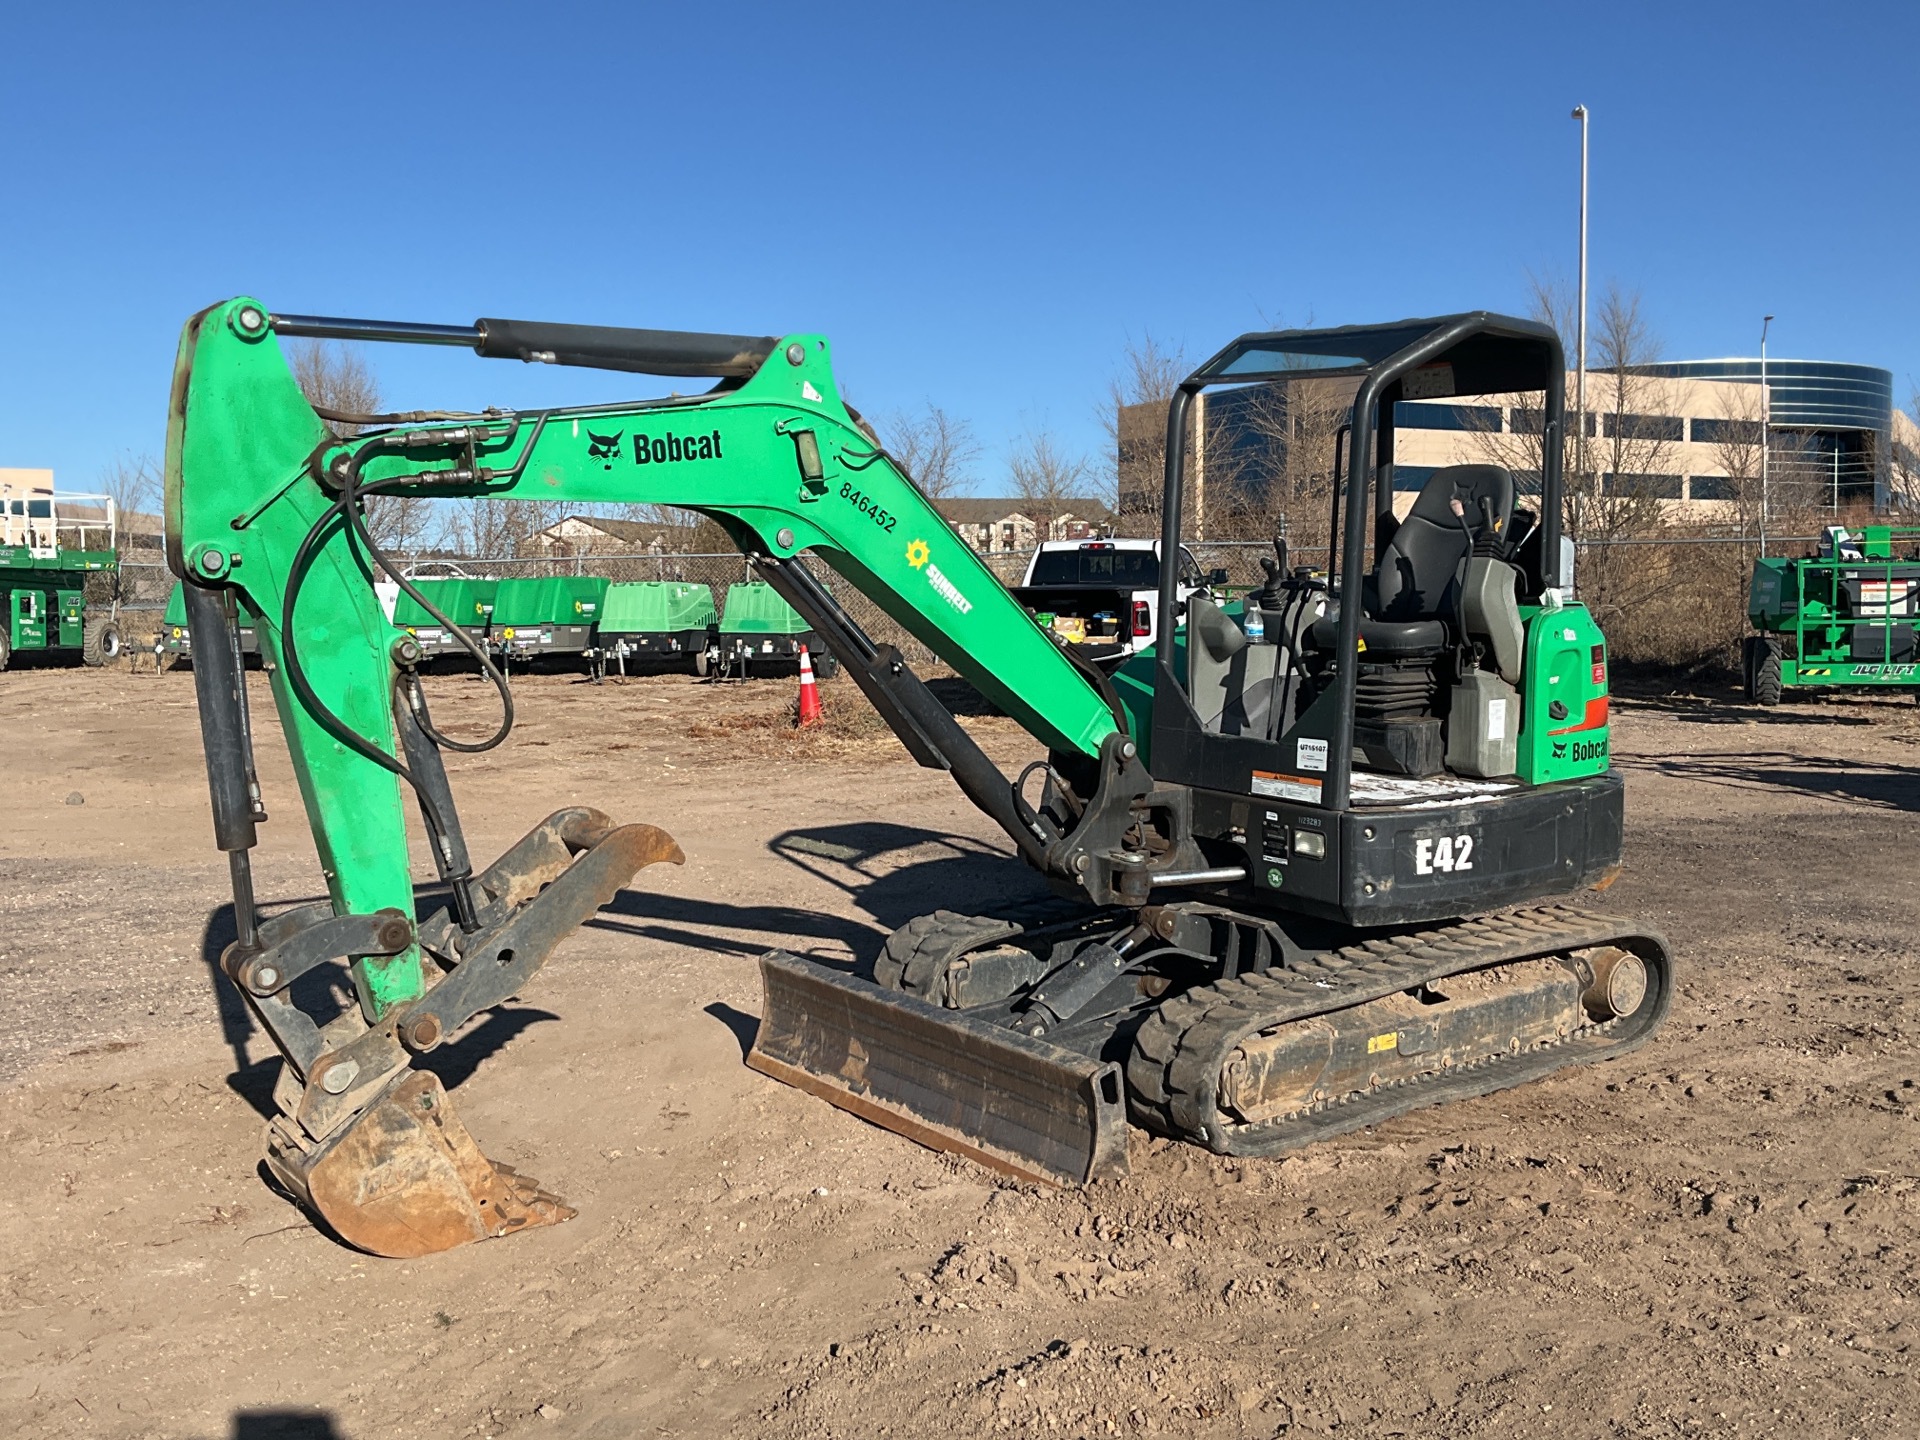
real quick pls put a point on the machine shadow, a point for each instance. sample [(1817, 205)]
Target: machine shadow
[(892, 872), (284, 1425), (876, 865), (236, 1025), (1861, 782), (1692, 710), (456, 1060), (654, 916), (885, 869), (959, 696), (744, 1026)]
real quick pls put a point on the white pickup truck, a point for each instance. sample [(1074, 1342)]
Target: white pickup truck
[(1103, 596)]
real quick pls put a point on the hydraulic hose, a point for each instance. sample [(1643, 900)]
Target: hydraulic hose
[(347, 509)]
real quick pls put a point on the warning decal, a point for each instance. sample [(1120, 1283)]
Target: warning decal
[(1286, 787)]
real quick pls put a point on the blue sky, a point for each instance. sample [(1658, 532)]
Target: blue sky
[(981, 204)]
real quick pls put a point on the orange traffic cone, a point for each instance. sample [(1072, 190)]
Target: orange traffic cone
[(809, 692)]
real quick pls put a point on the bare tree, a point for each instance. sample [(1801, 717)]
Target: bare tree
[(1150, 373), (492, 529), (1046, 477), (1803, 483), (1268, 466), (134, 484), (1737, 450), (1639, 434), (936, 449), (1523, 448), (697, 533), (1615, 475), (336, 379), (1135, 421), (1905, 460)]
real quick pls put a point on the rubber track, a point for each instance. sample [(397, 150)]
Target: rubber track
[(1173, 1072), (917, 954)]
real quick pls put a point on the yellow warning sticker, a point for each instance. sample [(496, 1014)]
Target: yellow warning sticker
[(1388, 1041)]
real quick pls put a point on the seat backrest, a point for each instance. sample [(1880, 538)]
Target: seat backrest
[(1417, 568)]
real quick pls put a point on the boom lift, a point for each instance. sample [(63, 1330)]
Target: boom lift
[(1265, 845)]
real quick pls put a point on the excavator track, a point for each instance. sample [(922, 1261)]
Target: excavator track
[(1197, 1050), (917, 955)]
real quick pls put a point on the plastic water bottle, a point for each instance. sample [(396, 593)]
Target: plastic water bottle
[(1255, 625)]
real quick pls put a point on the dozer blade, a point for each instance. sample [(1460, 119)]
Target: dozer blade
[(406, 1179), (1018, 1105)]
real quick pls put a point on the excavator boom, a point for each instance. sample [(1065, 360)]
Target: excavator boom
[(263, 516)]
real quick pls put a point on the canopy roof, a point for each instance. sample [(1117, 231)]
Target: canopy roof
[(1488, 354)]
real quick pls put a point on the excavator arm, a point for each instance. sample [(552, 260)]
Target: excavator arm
[(264, 518)]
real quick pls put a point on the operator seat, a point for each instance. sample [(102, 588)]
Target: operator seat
[(1412, 594)]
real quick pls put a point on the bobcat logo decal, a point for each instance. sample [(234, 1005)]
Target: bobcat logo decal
[(605, 447)]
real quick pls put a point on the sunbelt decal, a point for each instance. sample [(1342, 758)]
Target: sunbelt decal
[(920, 557)]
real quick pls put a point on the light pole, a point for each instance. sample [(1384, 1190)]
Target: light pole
[(1580, 323), (1766, 433)]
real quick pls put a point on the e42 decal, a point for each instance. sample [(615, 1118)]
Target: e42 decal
[(1444, 855)]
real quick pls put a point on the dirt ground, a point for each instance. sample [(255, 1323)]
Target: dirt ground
[(1714, 1236)]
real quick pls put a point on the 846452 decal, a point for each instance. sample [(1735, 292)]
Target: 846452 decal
[(866, 506)]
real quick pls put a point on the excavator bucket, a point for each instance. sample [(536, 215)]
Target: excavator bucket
[(402, 1177), (947, 1080), (406, 1179)]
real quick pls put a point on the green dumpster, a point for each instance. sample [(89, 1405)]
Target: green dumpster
[(656, 619), (176, 641), (758, 628), (468, 603), (553, 615)]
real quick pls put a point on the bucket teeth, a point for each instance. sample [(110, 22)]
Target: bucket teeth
[(520, 1204), (405, 1178)]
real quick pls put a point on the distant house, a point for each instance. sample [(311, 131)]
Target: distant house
[(1010, 526), (604, 535)]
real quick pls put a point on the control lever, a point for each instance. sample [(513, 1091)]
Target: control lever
[(1490, 543)]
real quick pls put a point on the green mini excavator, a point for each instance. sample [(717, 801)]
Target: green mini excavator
[(1304, 849)]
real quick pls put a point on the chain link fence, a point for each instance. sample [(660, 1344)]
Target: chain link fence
[(145, 585), (1676, 602), (1663, 600)]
